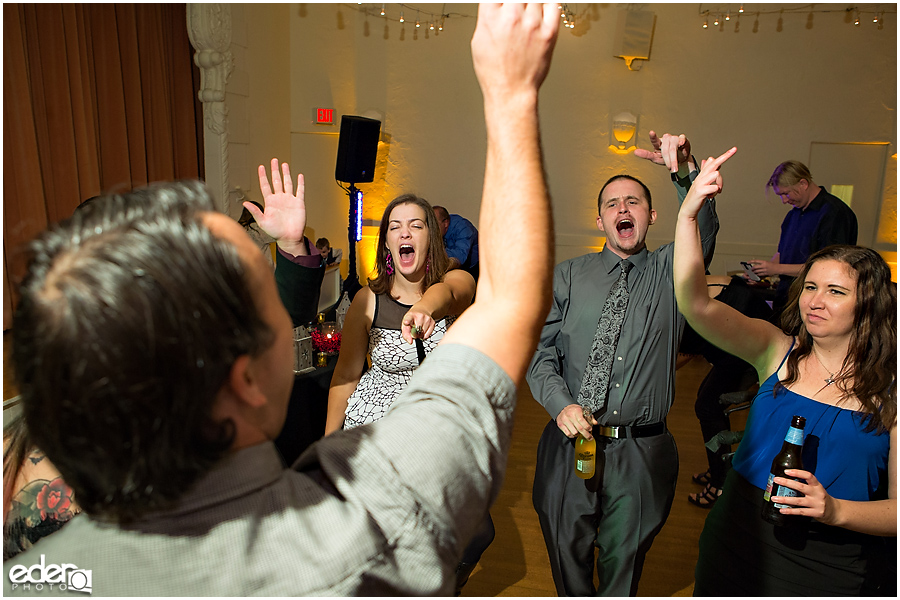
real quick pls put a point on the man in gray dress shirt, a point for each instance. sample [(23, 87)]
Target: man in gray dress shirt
[(155, 361), (625, 504)]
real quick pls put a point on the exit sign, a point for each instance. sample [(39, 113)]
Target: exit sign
[(324, 116)]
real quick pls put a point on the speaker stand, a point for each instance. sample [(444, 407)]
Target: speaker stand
[(351, 284)]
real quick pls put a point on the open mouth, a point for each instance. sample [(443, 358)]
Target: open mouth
[(407, 255), (625, 228)]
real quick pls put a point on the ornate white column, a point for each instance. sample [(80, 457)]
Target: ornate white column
[(209, 29)]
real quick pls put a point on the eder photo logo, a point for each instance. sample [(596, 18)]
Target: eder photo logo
[(65, 577)]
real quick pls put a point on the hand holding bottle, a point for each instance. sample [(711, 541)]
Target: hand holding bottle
[(814, 502)]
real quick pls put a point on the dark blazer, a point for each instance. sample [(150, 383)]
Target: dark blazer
[(299, 288)]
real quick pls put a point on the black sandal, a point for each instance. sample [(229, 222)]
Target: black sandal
[(702, 478), (707, 497)]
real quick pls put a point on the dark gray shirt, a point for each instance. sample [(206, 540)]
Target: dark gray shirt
[(642, 382), (359, 513)]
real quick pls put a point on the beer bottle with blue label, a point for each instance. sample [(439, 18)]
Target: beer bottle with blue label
[(788, 458), (585, 452)]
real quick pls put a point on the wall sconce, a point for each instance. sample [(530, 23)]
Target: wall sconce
[(624, 126)]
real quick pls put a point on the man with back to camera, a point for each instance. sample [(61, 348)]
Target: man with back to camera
[(817, 220), (625, 504), (165, 431), (460, 240)]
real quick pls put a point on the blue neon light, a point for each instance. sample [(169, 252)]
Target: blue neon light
[(359, 198)]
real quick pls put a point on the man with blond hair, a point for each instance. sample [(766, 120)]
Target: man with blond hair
[(817, 219)]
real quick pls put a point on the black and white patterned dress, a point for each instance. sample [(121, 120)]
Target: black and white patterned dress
[(393, 362)]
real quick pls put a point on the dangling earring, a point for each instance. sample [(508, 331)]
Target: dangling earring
[(389, 264), (428, 264)]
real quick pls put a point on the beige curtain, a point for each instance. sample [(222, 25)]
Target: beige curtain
[(97, 98)]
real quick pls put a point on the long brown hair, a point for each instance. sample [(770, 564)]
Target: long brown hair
[(439, 262), (868, 372)]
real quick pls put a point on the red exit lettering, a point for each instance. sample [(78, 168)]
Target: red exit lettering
[(325, 115)]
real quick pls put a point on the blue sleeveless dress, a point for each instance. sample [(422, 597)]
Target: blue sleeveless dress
[(743, 555)]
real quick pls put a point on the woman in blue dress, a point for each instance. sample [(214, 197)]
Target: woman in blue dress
[(833, 361)]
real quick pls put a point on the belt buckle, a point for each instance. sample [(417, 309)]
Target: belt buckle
[(607, 431)]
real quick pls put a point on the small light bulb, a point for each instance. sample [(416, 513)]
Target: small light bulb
[(716, 22), (741, 9), (382, 10), (431, 26), (417, 23), (401, 16), (728, 16), (705, 24)]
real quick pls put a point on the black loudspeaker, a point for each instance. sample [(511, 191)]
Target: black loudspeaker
[(357, 148)]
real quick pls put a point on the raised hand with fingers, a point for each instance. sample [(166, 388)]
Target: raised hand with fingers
[(523, 36), (285, 212), (707, 184), (670, 150)]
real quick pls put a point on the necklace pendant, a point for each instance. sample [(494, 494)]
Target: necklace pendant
[(829, 381)]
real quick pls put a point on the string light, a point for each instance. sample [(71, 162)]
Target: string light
[(857, 15), (401, 16), (567, 16), (382, 10), (431, 26)]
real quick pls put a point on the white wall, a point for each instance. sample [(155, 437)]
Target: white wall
[(770, 93)]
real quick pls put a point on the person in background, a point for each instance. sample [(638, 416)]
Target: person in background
[(173, 459), (259, 236), (329, 255), (460, 240), (817, 219), (834, 363)]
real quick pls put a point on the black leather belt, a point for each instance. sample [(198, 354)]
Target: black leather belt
[(636, 431)]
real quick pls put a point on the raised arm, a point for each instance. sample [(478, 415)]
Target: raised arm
[(285, 212), (299, 272), (754, 340), (673, 151), (511, 50), (449, 297)]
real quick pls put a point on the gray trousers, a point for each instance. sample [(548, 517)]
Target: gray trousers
[(620, 510)]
